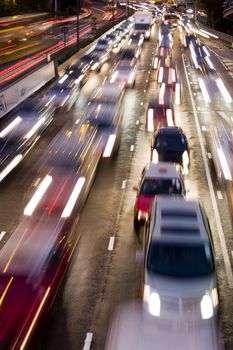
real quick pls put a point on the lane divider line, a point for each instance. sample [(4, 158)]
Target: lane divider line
[(2, 234), (111, 243), (88, 341)]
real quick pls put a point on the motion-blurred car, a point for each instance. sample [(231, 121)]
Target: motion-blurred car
[(221, 145), (201, 57), (124, 73), (23, 130), (130, 53), (163, 54), (170, 145), (160, 113), (136, 39), (179, 265), (168, 76), (166, 40), (64, 92), (78, 73), (105, 110), (104, 44), (132, 327), (156, 179)]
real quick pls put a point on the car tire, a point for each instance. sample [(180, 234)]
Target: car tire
[(136, 225)]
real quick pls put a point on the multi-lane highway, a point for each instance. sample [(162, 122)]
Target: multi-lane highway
[(103, 271)]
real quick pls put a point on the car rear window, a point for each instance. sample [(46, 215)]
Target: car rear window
[(180, 260), (161, 186), (171, 141)]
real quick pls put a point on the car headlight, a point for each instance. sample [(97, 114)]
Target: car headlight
[(152, 299), (185, 162), (207, 309), (155, 156)]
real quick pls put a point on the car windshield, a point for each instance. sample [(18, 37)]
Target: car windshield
[(161, 186), (180, 260), (176, 142)]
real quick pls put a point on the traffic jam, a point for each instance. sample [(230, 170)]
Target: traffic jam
[(180, 304)]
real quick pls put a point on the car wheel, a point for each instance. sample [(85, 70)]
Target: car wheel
[(136, 225)]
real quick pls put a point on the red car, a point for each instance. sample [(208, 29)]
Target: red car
[(156, 179)]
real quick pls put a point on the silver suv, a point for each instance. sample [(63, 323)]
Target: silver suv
[(179, 269)]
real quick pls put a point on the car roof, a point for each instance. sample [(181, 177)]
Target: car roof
[(161, 170), (178, 220)]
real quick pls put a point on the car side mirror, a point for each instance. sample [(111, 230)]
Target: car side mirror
[(139, 257)]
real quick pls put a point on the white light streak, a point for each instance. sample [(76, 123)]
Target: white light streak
[(204, 90), (169, 117), (150, 120), (11, 166), (73, 198), (34, 201), (34, 128), (223, 90), (109, 146), (224, 165), (10, 127), (63, 79)]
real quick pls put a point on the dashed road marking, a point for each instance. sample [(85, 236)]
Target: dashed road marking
[(219, 195), (37, 182), (88, 341), (2, 234), (131, 148), (209, 155), (203, 128), (137, 122), (123, 184), (111, 243)]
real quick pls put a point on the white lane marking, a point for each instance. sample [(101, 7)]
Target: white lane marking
[(141, 104), (37, 182), (211, 189), (209, 155), (2, 234), (131, 148), (137, 122), (123, 184), (219, 194), (88, 340), (203, 128), (111, 243), (144, 90)]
